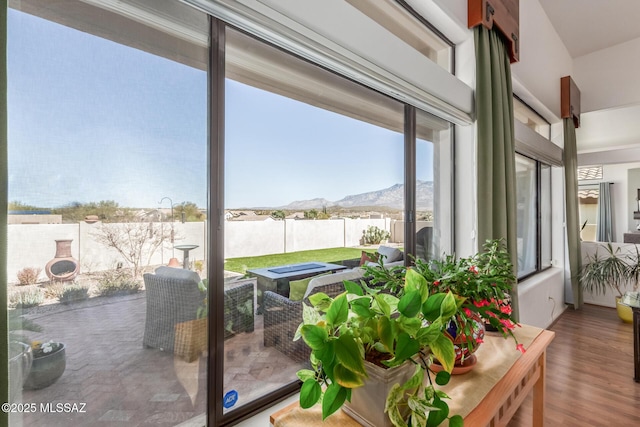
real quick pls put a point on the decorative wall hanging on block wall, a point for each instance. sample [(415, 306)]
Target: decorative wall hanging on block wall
[(505, 14), (570, 100)]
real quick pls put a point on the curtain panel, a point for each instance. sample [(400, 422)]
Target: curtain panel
[(496, 145), (572, 213), (604, 223), (4, 329)]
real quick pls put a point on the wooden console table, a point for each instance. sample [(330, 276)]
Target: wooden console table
[(506, 390)]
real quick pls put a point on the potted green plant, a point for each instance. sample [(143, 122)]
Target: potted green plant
[(364, 333), (613, 270)]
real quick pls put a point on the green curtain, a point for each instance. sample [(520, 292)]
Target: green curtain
[(573, 215), (496, 145), (4, 329)]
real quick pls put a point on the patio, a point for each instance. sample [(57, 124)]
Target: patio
[(124, 384)]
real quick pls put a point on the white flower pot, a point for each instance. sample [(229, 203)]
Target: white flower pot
[(368, 402)]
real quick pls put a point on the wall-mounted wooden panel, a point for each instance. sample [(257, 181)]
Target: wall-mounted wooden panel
[(570, 100), (505, 14)]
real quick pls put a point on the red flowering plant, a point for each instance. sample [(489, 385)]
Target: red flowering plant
[(481, 284), (484, 280)]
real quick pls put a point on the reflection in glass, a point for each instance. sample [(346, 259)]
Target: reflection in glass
[(526, 193)]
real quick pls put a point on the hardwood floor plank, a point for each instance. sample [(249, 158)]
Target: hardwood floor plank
[(589, 373)]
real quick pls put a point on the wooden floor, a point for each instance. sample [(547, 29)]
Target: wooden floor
[(589, 373)]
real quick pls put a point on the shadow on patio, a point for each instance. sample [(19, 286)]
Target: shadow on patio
[(124, 384)]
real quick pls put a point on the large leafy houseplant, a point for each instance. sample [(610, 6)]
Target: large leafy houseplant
[(365, 324), (612, 271)]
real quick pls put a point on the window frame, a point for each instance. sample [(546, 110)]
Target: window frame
[(216, 156)]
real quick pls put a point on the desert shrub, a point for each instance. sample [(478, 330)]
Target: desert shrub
[(24, 298), (53, 290), (74, 292), (374, 235), (28, 275), (117, 282)]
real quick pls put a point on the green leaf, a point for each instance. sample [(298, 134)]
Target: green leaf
[(305, 374), (353, 288), (396, 417), (437, 417), (406, 347), (360, 306), (309, 315), (315, 336), (415, 281), (320, 300), (348, 354), (346, 377), (382, 305), (334, 398), (326, 355), (443, 350), (443, 377), (338, 311), (456, 421), (310, 393), (385, 333), (410, 304), (429, 334), (431, 308), (449, 307), (411, 325)]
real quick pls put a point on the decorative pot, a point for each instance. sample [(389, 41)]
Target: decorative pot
[(63, 267), (20, 360), (368, 402), (625, 313), (463, 344), (46, 369)]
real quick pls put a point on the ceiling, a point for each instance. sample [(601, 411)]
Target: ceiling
[(592, 31), (575, 22)]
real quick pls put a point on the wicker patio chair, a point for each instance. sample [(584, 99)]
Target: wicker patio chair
[(173, 297), (283, 316)]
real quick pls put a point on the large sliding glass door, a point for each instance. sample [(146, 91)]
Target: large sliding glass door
[(107, 186)]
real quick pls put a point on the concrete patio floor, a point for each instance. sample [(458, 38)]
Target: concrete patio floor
[(124, 384)]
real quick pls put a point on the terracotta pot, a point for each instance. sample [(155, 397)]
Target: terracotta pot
[(63, 267)]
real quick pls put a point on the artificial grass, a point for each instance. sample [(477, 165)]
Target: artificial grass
[(333, 255)]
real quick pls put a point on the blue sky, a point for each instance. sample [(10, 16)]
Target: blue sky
[(92, 120)]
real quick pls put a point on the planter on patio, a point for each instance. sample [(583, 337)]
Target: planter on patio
[(47, 367), (190, 339)]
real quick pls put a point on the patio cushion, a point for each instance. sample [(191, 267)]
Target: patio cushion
[(298, 288), (390, 254), (355, 274)]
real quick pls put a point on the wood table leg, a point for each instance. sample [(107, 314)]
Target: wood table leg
[(538, 392)]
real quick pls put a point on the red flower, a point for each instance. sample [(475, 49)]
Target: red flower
[(506, 309), (479, 341), (436, 283), (521, 348), (508, 324), (473, 269), (467, 311)]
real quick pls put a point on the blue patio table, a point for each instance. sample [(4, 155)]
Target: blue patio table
[(632, 299), (277, 278)]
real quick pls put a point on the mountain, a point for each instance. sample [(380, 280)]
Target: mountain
[(392, 197), (304, 205)]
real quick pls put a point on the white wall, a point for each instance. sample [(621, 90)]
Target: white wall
[(544, 59)]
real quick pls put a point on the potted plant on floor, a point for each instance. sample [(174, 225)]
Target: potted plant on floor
[(364, 335), (613, 270), (49, 363)]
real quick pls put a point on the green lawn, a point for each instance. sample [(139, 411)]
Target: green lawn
[(241, 265)]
